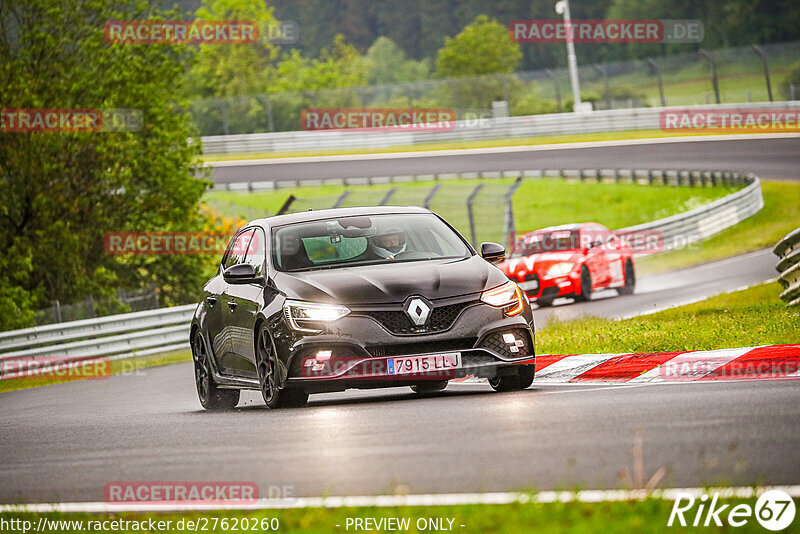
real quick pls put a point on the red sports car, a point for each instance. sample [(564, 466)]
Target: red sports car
[(570, 261)]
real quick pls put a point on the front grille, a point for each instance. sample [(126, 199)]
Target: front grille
[(531, 285), (404, 349), (496, 343), (397, 322)]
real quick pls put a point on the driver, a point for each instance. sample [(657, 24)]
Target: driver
[(389, 242)]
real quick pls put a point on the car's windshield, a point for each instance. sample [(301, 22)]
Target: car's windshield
[(553, 241), (364, 240)]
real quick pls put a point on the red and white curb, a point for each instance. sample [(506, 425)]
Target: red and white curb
[(436, 499), (769, 362)]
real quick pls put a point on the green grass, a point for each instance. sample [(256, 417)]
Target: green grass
[(650, 515), (537, 203), (127, 366), (490, 143), (779, 216), (746, 318)]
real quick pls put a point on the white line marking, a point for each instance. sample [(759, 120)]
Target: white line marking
[(442, 499), (498, 150)]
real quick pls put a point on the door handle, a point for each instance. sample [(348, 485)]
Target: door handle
[(211, 300), (232, 305)]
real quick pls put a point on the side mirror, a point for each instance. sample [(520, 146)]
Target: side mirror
[(493, 252), (243, 273)]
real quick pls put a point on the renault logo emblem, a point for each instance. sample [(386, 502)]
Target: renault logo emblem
[(418, 310)]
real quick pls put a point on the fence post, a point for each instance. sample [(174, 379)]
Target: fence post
[(550, 74), (505, 88), (341, 199), (657, 69), (470, 214), (429, 197), (602, 70), (388, 196), (763, 55), (713, 63), (283, 209), (508, 219)]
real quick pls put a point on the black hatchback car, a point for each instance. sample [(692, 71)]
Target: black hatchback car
[(323, 301)]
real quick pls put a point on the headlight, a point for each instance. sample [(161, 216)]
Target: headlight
[(307, 316), (507, 295), (559, 269)]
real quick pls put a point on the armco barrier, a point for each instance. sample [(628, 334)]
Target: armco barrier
[(614, 120), (162, 330), (788, 250), (114, 337), (695, 225)]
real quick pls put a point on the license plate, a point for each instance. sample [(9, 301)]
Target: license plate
[(424, 364), (530, 285)]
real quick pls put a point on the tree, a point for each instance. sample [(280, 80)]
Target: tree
[(389, 64), (235, 69), (484, 52), (63, 191), (483, 47)]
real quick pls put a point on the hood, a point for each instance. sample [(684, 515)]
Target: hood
[(387, 283), (539, 263)]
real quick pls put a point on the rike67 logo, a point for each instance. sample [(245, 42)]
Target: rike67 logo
[(774, 510)]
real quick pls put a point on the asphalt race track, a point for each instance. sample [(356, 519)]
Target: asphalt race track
[(65, 442), (776, 158)]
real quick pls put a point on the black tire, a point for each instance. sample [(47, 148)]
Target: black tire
[(429, 387), (211, 396), (522, 380), (274, 397), (630, 280), (586, 286)]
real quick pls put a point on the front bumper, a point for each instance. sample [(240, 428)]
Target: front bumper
[(537, 287), (359, 349)]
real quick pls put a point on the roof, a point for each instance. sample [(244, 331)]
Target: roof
[(316, 215)]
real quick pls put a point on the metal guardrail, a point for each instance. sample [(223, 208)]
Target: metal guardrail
[(614, 120), (161, 330), (688, 228), (788, 250), (113, 337)]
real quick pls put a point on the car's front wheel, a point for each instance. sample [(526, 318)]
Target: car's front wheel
[(586, 286), (522, 380), (266, 364), (429, 387), (630, 280), (211, 396)]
